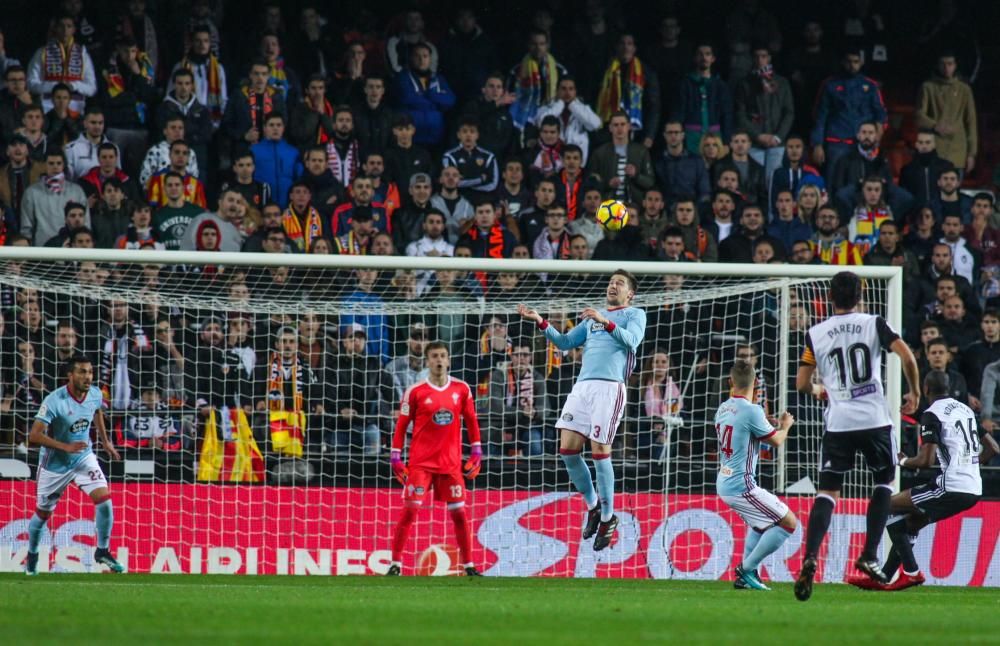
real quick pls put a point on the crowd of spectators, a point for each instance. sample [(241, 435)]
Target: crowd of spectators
[(430, 132)]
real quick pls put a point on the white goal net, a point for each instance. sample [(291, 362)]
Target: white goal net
[(253, 399)]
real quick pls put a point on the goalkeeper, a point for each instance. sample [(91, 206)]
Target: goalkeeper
[(435, 406)]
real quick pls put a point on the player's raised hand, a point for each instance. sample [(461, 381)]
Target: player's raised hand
[(594, 315), (398, 468), (528, 313), (910, 403)]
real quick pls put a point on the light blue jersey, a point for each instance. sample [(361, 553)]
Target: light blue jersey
[(740, 427), (608, 356), (68, 420)]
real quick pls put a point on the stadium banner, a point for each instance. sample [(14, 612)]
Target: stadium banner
[(246, 529)]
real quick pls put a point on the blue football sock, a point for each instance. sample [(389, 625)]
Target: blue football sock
[(750, 542), (580, 475), (35, 527), (605, 487), (104, 517), (768, 544)]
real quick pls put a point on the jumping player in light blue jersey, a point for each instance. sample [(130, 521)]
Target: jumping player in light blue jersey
[(741, 426), (62, 429), (610, 338)]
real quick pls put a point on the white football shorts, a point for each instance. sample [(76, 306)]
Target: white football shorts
[(594, 409), (87, 475)]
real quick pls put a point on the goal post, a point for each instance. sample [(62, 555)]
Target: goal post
[(244, 456)]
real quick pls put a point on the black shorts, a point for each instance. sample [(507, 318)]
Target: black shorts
[(877, 445), (938, 504)]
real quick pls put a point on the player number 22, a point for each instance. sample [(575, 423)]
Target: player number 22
[(725, 434)]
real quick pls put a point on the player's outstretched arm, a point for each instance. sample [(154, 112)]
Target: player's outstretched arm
[(102, 433), (575, 338), (781, 432), (40, 437), (924, 459), (912, 373)]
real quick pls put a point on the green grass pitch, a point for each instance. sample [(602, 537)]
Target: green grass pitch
[(153, 609)]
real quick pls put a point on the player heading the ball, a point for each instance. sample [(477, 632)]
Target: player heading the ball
[(741, 426), (436, 406), (846, 350), (62, 429), (594, 408)]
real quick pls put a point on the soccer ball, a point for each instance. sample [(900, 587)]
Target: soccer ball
[(612, 215)]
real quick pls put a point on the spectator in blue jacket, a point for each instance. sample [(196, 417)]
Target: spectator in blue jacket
[(277, 161), (787, 225), (425, 96), (704, 103), (845, 101)]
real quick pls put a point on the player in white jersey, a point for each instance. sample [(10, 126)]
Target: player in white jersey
[(949, 432), (610, 338), (741, 427), (62, 428), (846, 350)]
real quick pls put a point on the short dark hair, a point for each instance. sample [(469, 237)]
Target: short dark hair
[(990, 311), (633, 283), (70, 365), (107, 145), (270, 116), (573, 148), (929, 323), (742, 374), (315, 148), (946, 278), (181, 71), (17, 68), (436, 345), (938, 340), (180, 142), (58, 87), (73, 206), (468, 121), (845, 290), (77, 231), (888, 223), (985, 196), (937, 382), (550, 120), (671, 232)]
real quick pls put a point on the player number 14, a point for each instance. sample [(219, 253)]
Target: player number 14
[(725, 434)]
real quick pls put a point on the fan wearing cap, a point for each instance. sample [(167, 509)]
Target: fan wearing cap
[(408, 221), (410, 368), (351, 383)]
